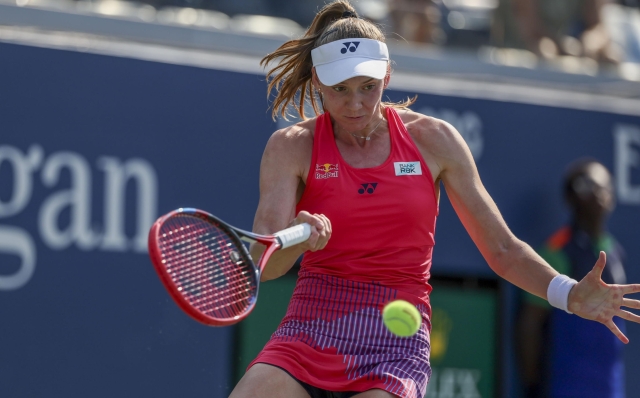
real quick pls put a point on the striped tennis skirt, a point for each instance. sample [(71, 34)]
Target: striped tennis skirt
[(333, 338)]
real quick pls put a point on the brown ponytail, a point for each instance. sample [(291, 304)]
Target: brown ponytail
[(291, 78)]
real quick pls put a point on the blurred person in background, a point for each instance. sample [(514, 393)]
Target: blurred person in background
[(416, 20), (552, 28), (563, 355)]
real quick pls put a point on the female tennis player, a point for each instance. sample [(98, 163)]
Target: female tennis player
[(366, 175)]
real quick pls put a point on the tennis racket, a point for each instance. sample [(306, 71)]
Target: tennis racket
[(206, 267)]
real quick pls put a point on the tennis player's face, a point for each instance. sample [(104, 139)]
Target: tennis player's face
[(353, 102)]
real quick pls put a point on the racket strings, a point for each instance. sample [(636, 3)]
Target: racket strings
[(217, 276), (187, 257), (226, 289), (207, 267)]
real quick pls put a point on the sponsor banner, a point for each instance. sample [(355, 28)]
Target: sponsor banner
[(464, 342), (93, 148)]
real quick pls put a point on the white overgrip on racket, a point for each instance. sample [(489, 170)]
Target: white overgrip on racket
[(558, 291), (294, 235)]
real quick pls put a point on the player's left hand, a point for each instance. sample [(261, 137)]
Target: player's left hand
[(593, 299)]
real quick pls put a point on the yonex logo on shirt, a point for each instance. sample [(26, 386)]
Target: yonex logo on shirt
[(350, 45), (407, 168), (368, 188)]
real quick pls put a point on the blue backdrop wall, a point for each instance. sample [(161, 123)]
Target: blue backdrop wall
[(93, 148)]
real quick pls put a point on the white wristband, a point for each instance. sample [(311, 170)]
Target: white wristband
[(558, 291)]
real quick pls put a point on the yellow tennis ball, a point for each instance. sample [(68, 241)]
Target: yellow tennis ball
[(401, 318)]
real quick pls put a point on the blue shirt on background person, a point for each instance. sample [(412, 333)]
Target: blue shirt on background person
[(562, 355)]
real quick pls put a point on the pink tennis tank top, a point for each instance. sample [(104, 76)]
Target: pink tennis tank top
[(383, 218)]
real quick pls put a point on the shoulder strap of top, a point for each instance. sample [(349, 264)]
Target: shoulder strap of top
[(396, 125), (403, 144), (324, 150), (323, 141)]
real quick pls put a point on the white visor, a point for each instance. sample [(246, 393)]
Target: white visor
[(343, 59)]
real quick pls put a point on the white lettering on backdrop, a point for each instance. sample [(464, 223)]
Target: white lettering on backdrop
[(627, 158), (76, 204)]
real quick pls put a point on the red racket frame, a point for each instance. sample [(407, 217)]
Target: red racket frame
[(271, 242)]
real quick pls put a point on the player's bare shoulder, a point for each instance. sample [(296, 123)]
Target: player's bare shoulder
[(426, 130), (297, 134), (441, 145), (297, 137), (291, 147), (432, 135)]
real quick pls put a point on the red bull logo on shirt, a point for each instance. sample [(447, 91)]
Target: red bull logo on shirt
[(326, 170)]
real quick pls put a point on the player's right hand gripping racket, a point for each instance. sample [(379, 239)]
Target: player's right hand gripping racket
[(207, 269)]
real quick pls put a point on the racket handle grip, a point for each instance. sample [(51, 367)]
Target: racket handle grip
[(293, 235)]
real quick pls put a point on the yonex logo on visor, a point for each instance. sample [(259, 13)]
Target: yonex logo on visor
[(343, 59), (350, 45)]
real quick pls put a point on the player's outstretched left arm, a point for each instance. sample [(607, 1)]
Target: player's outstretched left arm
[(508, 256), (593, 299)]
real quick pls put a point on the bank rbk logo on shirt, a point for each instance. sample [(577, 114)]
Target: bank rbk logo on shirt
[(326, 170), (407, 168)]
